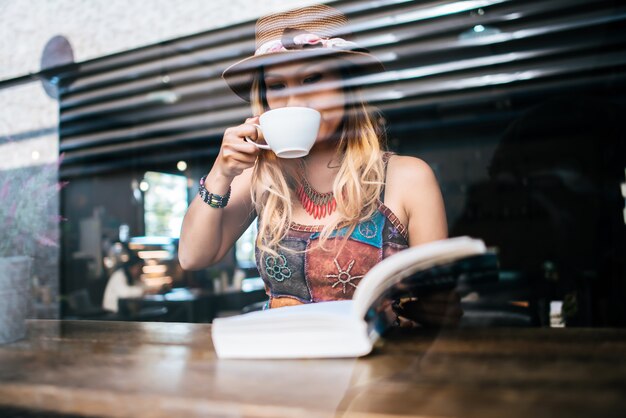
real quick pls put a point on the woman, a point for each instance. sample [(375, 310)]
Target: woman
[(122, 283), (327, 218)]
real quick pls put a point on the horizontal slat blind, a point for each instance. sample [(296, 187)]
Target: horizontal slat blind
[(167, 102)]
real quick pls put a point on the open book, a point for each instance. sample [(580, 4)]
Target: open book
[(350, 328)]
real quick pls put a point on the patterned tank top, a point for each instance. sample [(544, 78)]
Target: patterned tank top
[(312, 274)]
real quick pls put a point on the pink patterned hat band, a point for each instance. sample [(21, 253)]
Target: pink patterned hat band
[(305, 41)]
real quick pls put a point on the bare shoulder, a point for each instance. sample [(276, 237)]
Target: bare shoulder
[(405, 171), (412, 193)]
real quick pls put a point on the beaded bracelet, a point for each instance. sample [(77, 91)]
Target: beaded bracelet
[(211, 199)]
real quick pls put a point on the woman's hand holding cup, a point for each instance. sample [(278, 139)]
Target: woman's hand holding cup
[(236, 154), (290, 132)]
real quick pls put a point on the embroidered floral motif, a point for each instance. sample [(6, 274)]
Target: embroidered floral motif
[(393, 233), (344, 277), (276, 267), (368, 229)]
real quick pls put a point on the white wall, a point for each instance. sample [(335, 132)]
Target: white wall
[(102, 27), (94, 28)]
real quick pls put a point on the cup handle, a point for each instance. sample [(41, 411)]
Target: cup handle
[(262, 146)]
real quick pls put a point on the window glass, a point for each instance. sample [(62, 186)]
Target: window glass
[(244, 248), (165, 203)]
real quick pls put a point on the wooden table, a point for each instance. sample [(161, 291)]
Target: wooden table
[(125, 369)]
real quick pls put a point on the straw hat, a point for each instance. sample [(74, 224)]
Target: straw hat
[(307, 33)]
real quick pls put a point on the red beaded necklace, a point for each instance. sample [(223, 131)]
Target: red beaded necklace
[(315, 203)]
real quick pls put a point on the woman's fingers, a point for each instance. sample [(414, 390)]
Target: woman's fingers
[(236, 155), (429, 306), (237, 134), (434, 309), (448, 296), (438, 320), (243, 151), (258, 135)]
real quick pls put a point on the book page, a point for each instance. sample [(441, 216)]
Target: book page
[(390, 271), (317, 330), (299, 316)]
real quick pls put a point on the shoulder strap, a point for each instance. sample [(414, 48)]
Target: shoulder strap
[(386, 156)]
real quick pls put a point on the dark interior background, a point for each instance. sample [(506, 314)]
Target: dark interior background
[(518, 106)]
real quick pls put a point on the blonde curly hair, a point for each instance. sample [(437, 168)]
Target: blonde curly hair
[(357, 186)]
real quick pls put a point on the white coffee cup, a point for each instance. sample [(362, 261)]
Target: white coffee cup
[(289, 131)]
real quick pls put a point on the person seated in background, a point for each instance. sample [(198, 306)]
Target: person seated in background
[(123, 283)]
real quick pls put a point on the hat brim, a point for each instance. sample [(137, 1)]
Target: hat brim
[(239, 76)]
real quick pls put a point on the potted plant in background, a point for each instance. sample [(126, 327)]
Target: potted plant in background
[(28, 228)]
